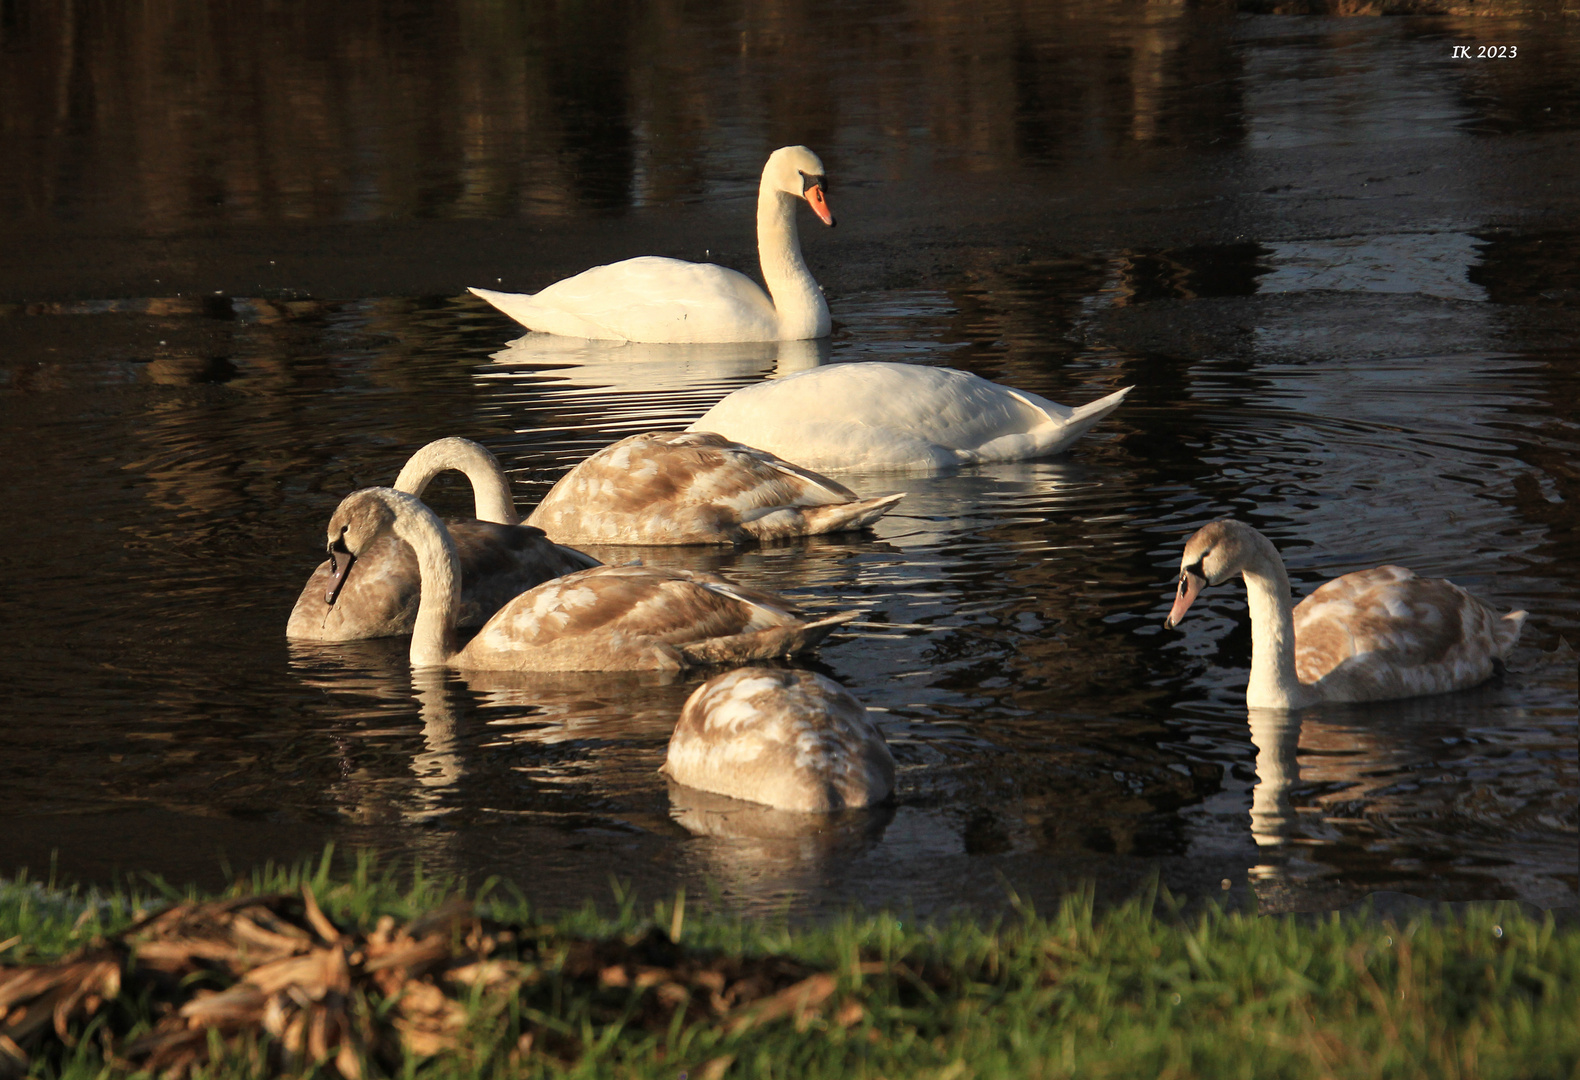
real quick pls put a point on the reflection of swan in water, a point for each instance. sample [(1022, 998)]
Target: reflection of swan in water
[(697, 488), (499, 559), (669, 300), (794, 740), (606, 618), (758, 855), (1276, 735), (1373, 635), (622, 362), (898, 417), (441, 765)]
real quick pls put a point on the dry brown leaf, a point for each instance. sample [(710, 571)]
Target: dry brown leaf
[(796, 999), (315, 916), (240, 1004), (13, 1059)]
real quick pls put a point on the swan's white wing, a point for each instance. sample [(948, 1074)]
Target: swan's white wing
[(649, 299), (896, 416)]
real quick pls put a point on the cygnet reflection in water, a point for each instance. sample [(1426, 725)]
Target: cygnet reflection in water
[(1425, 796), (756, 853)]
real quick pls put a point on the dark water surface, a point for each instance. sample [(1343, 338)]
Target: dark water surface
[(1338, 267)]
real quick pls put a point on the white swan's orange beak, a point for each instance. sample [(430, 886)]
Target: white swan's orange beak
[(819, 204), (1190, 587)]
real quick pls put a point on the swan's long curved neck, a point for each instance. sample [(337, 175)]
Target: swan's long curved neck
[(802, 310), (1273, 682), (439, 568), (490, 485)]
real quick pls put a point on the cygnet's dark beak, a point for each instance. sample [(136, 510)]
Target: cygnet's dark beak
[(340, 556)]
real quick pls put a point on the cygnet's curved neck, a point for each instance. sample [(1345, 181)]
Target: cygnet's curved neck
[(439, 570), (802, 310), (490, 485), (1273, 683)]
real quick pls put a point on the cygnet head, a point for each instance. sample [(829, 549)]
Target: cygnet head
[(1213, 555), (797, 171), (354, 526)]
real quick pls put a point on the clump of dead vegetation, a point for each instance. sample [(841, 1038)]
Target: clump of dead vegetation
[(274, 979)]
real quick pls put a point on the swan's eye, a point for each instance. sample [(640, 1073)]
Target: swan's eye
[(810, 182)]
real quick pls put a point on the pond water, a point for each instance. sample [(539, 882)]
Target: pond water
[(1341, 283)]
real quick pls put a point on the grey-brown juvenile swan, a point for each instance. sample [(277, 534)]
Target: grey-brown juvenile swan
[(1367, 636), (793, 740), (609, 618), (673, 487), (499, 558)]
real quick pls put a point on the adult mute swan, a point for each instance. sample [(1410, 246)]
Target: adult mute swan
[(609, 618), (499, 558), (671, 300), (1367, 636), (898, 417), (696, 488), (790, 739)]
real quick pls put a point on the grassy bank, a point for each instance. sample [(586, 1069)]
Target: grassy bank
[(369, 974)]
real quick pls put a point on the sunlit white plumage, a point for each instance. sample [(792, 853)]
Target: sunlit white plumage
[(793, 740), (654, 299), (609, 618), (499, 558), (1367, 636), (898, 417), (696, 488)]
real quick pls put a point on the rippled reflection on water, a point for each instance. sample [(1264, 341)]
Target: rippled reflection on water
[(1399, 393)]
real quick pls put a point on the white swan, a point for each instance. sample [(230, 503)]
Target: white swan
[(609, 618), (1367, 636), (898, 417), (696, 488), (499, 559), (671, 300), (789, 739)]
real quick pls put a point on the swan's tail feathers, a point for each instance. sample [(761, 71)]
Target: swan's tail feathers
[(763, 644), (1067, 430), (525, 309), (1507, 631), (816, 520), (1084, 417)]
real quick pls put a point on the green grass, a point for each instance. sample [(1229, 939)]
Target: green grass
[(1488, 993)]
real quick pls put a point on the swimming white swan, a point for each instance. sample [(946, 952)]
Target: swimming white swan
[(609, 618), (671, 300), (789, 739), (696, 488), (1367, 636), (499, 559), (898, 417)]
